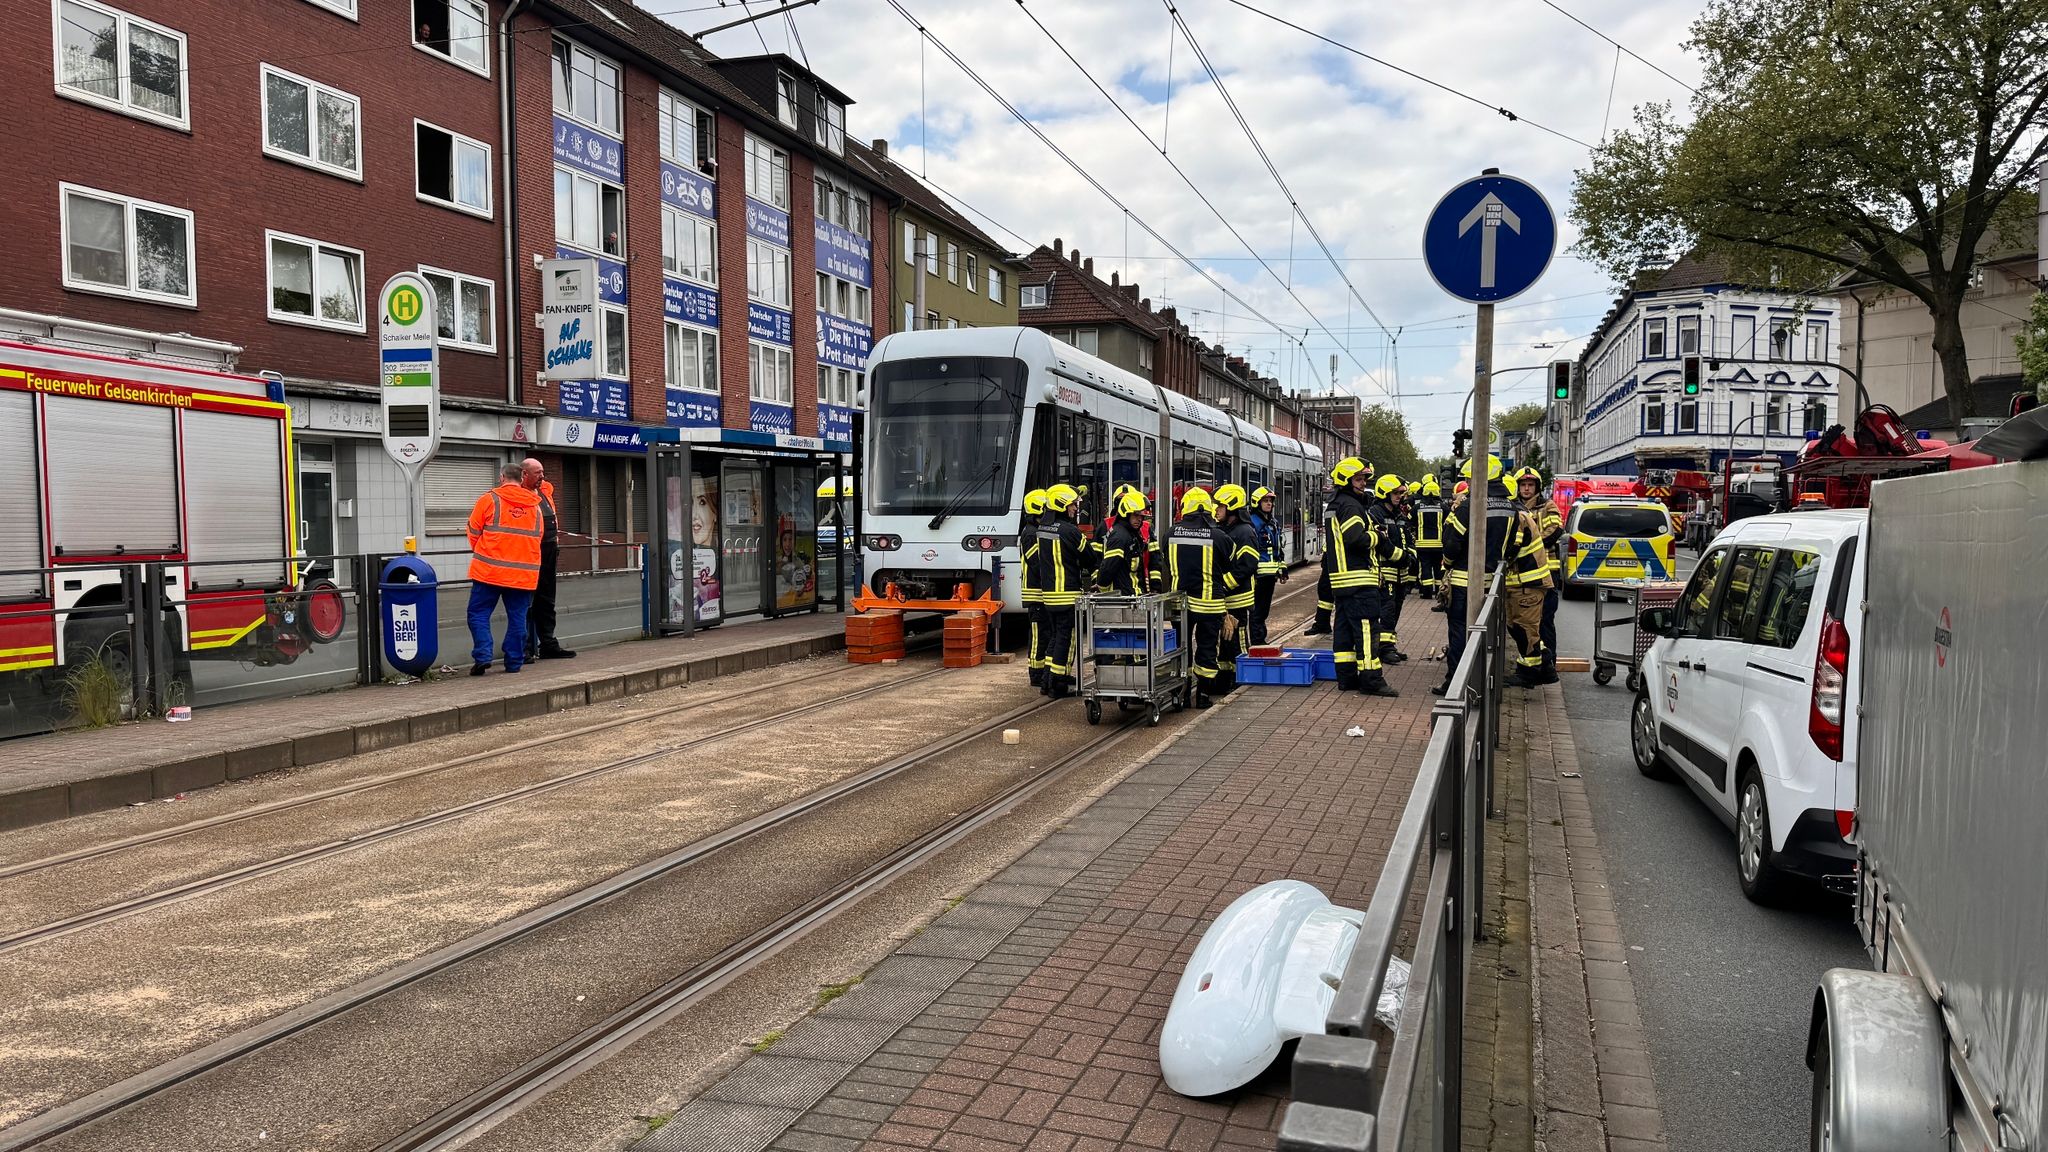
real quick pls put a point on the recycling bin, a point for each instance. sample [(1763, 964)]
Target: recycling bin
[(406, 593)]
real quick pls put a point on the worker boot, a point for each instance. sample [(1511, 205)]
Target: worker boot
[(1202, 699), (1347, 677), (1375, 684)]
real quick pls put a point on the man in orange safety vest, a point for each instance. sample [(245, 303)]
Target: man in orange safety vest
[(504, 542)]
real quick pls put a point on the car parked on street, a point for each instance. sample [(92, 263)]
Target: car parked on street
[(1611, 538), (1749, 695)]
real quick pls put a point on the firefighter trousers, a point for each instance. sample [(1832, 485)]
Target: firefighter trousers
[(1525, 624), (1059, 644), (1548, 631), (1431, 561), (1351, 637), (1231, 640), (1454, 621), (1262, 606), (1390, 621), (1035, 613), (1325, 603), (1208, 629)]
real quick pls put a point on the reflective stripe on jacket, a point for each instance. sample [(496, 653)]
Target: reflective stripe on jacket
[(1061, 556), (1429, 522), (1123, 561), (1271, 562), (1194, 563), (1550, 523), (504, 537), (1027, 551), (1349, 560), (1241, 570)]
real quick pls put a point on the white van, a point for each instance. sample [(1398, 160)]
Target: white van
[(1749, 693)]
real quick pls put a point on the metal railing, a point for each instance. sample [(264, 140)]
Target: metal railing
[(1345, 1095)]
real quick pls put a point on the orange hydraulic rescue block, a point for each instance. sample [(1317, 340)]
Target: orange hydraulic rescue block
[(969, 619)]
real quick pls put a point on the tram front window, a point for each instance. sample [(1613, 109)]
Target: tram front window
[(945, 429)]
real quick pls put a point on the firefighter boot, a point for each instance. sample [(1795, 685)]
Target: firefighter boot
[(1347, 676), (1374, 683)]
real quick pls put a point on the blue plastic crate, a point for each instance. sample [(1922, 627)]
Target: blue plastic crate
[(1132, 640), (1326, 660), (1287, 670)]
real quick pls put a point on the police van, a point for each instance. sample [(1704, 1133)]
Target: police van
[(1612, 538)]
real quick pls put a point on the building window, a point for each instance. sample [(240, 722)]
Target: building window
[(830, 129), (122, 62), (931, 254), (692, 360), (1087, 340), (689, 246), (1815, 417), (1817, 340), (1688, 415), (768, 270), (973, 274), (836, 386), (785, 98), (309, 123), (1688, 335), (910, 243), (1031, 296), (689, 134), (1781, 339), (769, 370), (451, 170), (952, 322), (612, 357), (767, 173), (1744, 337), (952, 263), (909, 316), (995, 285), (126, 247), (1144, 355), (1653, 415), (456, 29), (589, 214), (1774, 415), (339, 7), (315, 283), (841, 205), (931, 320), (586, 87), (465, 310), (1653, 339)]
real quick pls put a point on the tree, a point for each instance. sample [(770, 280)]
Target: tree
[(1383, 442), (1885, 138), (2031, 341), (1519, 418)]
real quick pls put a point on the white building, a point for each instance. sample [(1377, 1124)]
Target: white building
[(1765, 375)]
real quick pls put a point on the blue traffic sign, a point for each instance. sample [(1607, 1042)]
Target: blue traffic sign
[(1489, 239)]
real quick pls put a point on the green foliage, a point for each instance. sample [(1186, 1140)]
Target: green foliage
[(1383, 442), (2031, 341), (768, 1041), (831, 992), (1518, 418), (95, 691)]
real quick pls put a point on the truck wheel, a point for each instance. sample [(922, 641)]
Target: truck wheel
[(1642, 739), (1756, 864), (324, 611), (1820, 1124)]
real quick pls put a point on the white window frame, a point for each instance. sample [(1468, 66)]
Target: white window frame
[(455, 141), (458, 280), (700, 229), (1688, 417), (314, 89), (120, 102), (1816, 340), (995, 284), (832, 122), (346, 9), (781, 389), (1775, 414), (952, 263), (592, 118), (271, 236), (1653, 404), (707, 383), (1688, 326), (602, 185), (910, 243), (1787, 326), (837, 385), (1655, 346), (1144, 355), (129, 204), (761, 152), (604, 341), (671, 108), (785, 98), (483, 69), (1083, 337), (1737, 351), (909, 316), (1027, 292), (779, 290)]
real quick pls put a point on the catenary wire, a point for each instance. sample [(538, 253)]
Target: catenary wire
[(1619, 46)]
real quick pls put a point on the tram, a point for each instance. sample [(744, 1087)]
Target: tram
[(962, 422)]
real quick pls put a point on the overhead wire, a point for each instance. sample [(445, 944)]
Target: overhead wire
[(1620, 47)]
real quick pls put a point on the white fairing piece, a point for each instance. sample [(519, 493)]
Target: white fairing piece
[(1264, 973)]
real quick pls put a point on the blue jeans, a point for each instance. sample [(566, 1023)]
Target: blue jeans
[(483, 598)]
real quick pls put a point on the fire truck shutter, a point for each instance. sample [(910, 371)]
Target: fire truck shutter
[(113, 476), (21, 515), (234, 498)]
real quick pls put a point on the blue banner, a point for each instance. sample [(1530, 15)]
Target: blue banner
[(768, 416), (588, 151), (767, 222), (845, 254), (770, 324), (619, 438), (596, 399), (835, 423), (688, 408), (689, 302), (843, 343), (690, 191), (611, 274)]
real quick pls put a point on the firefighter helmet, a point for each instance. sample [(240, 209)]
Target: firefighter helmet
[(1492, 468), (1430, 487), (1460, 490), (1195, 500), (1131, 503), (1386, 486), (1061, 497), (1034, 502), (1347, 468), (1529, 475), (1230, 497), (1260, 495)]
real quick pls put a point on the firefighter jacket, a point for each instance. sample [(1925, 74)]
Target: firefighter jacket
[(1027, 549), (1349, 554), (1057, 565), (504, 538), (1429, 522), (1271, 557), (1510, 532), (1550, 524), (1122, 570), (1196, 560), (1241, 570), (1390, 551)]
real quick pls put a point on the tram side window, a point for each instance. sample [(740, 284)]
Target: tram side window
[(1205, 469), (1151, 472), (1063, 460), (1091, 468), (1223, 473), (1123, 464), (1183, 467), (1044, 435)]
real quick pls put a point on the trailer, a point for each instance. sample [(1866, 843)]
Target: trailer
[(112, 467), (1943, 1046)]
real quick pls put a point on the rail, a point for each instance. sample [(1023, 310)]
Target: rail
[(1346, 1097)]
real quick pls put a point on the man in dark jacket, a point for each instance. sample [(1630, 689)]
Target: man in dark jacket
[(1353, 565), (1196, 553), (1122, 568)]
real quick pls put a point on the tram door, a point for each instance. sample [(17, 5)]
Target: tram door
[(1289, 513)]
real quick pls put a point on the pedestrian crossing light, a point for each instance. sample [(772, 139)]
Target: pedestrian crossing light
[(1560, 379), (1692, 376)]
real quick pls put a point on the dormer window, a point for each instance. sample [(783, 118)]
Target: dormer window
[(785, 98), (831, 126)]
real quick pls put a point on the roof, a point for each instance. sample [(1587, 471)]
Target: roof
[(1691, 270), (1989, 396), (897, 179), (1078, 297), (784, 62)]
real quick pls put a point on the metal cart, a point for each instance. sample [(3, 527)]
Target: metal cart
[(1636, 596), (1135, 650)]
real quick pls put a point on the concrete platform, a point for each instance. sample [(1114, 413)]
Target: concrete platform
[(46, 778), (1027, 1016)]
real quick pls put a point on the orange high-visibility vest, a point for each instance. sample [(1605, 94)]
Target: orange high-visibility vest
[(504, 535)]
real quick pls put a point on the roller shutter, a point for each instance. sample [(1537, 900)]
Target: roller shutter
[(234, 499), (113, 477), (451, 485), (21, 501)]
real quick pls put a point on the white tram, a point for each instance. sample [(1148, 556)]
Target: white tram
[(962, 422)]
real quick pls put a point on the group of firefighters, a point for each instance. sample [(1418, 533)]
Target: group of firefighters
[(1383, 538)]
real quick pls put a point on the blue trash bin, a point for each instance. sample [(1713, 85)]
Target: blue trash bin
[(412, 626)]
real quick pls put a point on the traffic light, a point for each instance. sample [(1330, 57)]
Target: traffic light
[(1560, 379), (1692, 375)]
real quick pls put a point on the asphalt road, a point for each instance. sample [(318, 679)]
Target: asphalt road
[(1725, 986)]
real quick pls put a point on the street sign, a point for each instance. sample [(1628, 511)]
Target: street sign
[(1489, 239), (409, 370)]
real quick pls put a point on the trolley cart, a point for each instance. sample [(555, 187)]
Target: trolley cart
[(1636, 596), (1135, 650)]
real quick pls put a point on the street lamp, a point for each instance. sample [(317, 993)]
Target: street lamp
[(1465, 413)]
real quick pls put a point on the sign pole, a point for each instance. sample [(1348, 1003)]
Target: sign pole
[(1482, 454), (409, 375)]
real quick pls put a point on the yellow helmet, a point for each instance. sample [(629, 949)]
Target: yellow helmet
[(1261, 494), (1530, 474), (1430, 487), (1387, 485), (1414, 486), (1492, 468), (1131, 502), (1231, 496), (1061, 497), (1347, 468), (1195, 500), (1034, 502)]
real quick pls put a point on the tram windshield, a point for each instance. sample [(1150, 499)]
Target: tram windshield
[(945, 429)]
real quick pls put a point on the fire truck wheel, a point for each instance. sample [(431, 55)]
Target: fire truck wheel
[(325, 611)]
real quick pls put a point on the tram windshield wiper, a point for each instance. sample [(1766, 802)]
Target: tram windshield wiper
[(994, 470)]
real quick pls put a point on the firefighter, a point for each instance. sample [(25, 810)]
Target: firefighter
[(1354, 581), (1122, 570), (1272, 565), (1195, 553), (1389, 525), (1240, 580), (1034, 596), (504, 542), (1325, 599), (1550, 522), (1511, 534), (1429, 536), (1061, 561)]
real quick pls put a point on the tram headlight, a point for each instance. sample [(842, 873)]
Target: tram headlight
[(985, 543), (884, 543)]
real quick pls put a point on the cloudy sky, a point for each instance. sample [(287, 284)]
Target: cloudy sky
[(1366, 150)]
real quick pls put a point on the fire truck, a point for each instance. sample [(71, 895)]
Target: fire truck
[(111, 467)]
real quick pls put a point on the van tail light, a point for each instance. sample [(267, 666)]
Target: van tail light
[(1845, 822), (1830, 688)]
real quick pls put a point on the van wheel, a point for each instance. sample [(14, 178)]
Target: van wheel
[(1756, 864), (1642, 739), (1821, 1122)]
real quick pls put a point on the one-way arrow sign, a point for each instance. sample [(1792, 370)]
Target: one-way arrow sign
[(1489, 267)]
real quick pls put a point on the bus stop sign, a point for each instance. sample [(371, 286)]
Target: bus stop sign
[(409, 371)]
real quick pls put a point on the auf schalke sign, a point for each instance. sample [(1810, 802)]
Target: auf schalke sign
[(568, 319), (1489, 239)]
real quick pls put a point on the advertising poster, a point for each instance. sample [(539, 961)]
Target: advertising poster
[(703, 574), (681, 577), (796, 539)]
